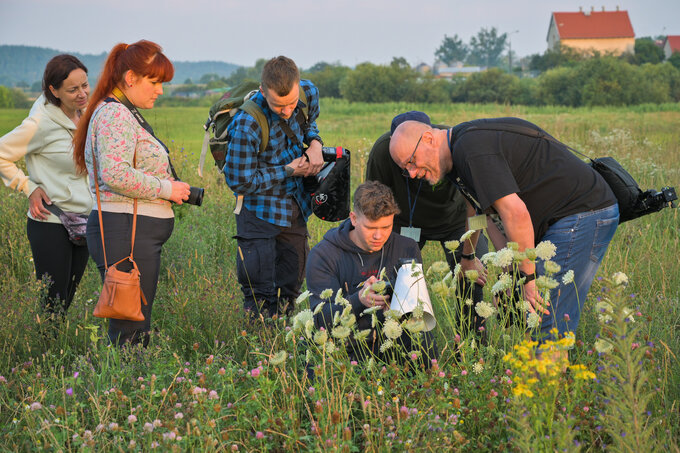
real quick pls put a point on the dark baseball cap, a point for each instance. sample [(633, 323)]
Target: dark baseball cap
[(413, 115)]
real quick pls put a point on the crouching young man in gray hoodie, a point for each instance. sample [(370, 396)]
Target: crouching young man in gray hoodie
[(356, 257)]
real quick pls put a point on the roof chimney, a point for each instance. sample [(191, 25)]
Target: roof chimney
[(580, 9), (602, 8), (617, 7)]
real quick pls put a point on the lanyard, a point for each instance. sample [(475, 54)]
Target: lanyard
[(412, 208)]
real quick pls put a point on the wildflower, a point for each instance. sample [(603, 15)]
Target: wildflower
[(581, 372), (524, 306), (438, 268), (326, 293), (552, 267), (504, 282), (503, 258), (414, 325), (362, 334), (568, 277), (69, 391), (488, 257), (467, 235), (440, 289), (452, 245), (302, 297), (319, 307), (320, 337), (255, 372), (468, 302), (340, 332), (259, 435), (300, 320), (308, 355), (545, 250), (148, 427), (157, 423), (179, 416), (113, 426), (533, 320), (387, 344), (278, 358), (329, 347), (379, 286), (155, 444), (484, 309), (132, 418), (477, 368), (530, 254), (472, 275), (463, 373), (132, 444), (545, 282), (392, 314), (603, 346), (171, 435), (35, 406), (392, 329), (628, 313), (604, 311), (620, 278)]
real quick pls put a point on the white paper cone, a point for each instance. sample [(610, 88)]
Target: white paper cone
[(409, 289)]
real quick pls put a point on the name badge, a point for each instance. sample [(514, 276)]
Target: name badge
[(411, 232), (477, 222)]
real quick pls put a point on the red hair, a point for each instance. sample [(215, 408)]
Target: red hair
[(144, 58)]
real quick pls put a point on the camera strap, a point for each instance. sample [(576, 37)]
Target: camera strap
[(120, 97)]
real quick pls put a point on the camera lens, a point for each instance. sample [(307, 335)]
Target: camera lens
[(195, 196)]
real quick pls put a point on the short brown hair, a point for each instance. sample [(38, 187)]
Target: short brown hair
[(57, 70), (375, 200), (279, 75)]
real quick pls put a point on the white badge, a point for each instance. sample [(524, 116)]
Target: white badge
[(477, 222), (411, 232)]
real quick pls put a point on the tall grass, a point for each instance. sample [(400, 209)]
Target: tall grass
[(212, 379)]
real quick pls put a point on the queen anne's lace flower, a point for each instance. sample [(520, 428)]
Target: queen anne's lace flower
[(620, 278), (467, 235), (392, 329), (504, 282), (552, 267), (302, 297), (278, 358), (472, 275), (387, 344), (533, 320), (326, 293), (477, 368), (452, 245), (340, 332), (320, 337), (568, 277), (484, 309), (503, 258), (603, 346), (545, 282), (545, 250)]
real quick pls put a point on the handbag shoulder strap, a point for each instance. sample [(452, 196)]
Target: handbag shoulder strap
[(99, 210)]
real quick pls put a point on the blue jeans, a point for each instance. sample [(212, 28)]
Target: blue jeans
[(581, 240)]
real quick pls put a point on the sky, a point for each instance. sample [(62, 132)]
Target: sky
[(309, 31)]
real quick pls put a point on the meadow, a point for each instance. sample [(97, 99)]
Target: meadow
[(212, 380)]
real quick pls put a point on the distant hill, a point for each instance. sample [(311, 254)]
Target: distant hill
[(24, 65)]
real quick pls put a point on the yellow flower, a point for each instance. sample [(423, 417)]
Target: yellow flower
[(603, 346), (472, 275), (340, 332), (581, 372), (326, 293), (452, 245), (321, 337), (362, 334), (392, 329), (522, 390), (620, 278)]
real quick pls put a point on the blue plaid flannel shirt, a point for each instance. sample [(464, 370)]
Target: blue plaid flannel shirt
[(261, 177)]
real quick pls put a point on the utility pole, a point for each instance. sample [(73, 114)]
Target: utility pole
[(510, 50)]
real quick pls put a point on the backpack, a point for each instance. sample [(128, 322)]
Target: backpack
[(222, 112)]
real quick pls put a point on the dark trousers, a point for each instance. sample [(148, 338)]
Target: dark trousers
[(58, 259), (151, 234), (270, 262)]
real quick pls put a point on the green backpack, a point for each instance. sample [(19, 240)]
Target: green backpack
[(222, 112)]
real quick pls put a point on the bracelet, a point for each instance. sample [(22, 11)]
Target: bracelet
[(527, 277), (468, 256)]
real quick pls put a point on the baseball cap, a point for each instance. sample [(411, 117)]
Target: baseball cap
[(413, 115)]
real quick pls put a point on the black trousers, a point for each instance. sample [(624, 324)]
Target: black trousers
[(58, 259), (151, 234), (270, 262)]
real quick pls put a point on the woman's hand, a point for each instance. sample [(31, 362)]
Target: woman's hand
[(35, 204), (180, 192)]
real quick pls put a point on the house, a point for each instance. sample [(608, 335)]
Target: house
[(671, 45), (588, 31)]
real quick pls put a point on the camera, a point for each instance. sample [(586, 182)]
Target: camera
[(330, 155), (195, 196), (653, 201)]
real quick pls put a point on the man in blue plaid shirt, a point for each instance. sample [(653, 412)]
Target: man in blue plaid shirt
[(272, 206)]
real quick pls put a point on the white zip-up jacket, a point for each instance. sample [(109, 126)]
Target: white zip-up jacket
[(44, 139)]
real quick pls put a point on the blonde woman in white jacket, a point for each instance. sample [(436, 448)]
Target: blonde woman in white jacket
[(45, 141)]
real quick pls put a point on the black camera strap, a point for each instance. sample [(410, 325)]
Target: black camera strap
[(121, 98)]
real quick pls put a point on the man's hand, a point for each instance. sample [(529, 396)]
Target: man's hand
[(369, 298), (35, 204), (475, 264), (299, 166), (315, 157), (537, 305)]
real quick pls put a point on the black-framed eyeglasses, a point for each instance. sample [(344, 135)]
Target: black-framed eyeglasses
[(411, 160)]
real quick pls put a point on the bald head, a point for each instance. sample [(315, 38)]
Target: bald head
[(420, 150)]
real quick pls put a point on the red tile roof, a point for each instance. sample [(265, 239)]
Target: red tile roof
[(674, 42), (594, 24)]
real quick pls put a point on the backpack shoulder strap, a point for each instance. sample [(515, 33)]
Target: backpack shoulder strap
[(254, 110)]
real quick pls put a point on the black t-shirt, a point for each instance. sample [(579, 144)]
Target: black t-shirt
[(438, 210), (547, 177)]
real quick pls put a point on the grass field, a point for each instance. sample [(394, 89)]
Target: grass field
[(210, 381)]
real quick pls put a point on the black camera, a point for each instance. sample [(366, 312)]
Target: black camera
[(653, 201), (195, 196)]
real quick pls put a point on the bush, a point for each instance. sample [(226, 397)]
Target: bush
[(559, 87), (6, 100), (493, 85)]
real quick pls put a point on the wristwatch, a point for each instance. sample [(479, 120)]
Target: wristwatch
[(527, 277), (468, 256)]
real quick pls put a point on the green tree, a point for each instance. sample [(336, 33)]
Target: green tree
[(646, 51), (327, 78), (606, 81), (373, 83), (558, 86), (564, 56), (674, 59), (486, 48), (493, 85), (6, 101), (451, 50)]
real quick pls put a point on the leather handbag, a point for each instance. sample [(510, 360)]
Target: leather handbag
[(122, 296)]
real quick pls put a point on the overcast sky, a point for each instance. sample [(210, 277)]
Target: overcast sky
[(309, 31)]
